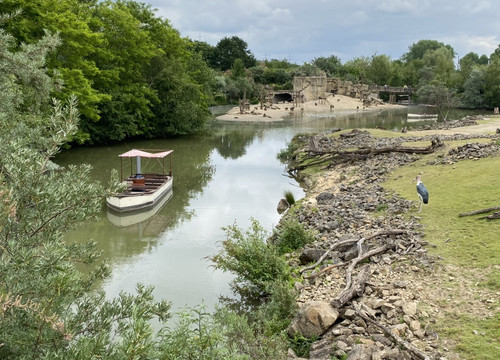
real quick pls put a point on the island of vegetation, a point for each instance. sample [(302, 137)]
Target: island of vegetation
[(355, 257)]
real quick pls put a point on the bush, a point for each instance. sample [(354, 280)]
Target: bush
[(290, 199), (255, 263), (290, 235)]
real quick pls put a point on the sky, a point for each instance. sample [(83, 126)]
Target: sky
[(301, 30)]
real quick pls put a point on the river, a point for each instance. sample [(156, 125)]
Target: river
[(226, 176)]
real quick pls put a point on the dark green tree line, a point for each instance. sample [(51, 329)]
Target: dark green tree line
[(133, 74)]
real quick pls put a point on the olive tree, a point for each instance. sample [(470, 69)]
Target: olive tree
[(47, 308)]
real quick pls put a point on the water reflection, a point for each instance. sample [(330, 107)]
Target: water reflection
[(227, 175)]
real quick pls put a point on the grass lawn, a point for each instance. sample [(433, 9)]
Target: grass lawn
[(469, 244)]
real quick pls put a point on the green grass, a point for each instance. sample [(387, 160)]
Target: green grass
[(463, 187), (468, 242)]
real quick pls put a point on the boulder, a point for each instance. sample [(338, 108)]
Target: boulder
[(313, 319), (282, 206)]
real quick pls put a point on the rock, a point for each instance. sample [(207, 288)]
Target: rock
[(282, 206), (410, 308), (414, 325), (322, 349), (313, 319), (324, 198), (360, 352), (310, 255), (292, 356)]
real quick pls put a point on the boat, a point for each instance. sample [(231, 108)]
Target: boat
[(418, 117), (143, 191), (129, 218)]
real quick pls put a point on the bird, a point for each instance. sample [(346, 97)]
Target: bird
[(422, 191)]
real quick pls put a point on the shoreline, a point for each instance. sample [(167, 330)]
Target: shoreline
[(278, 112), (397, 287)]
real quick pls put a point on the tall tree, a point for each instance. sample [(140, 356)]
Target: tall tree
[(46, 308), (331, 65), (228, 50), (380, 70), (492, 80)]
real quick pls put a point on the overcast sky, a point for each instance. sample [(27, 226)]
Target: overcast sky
[(301, 30)]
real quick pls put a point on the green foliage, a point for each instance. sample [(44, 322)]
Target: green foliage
[(255, 263), (47, 308), (290, 199), (332, 66), (131, 71), (286, 154), (228, 49), (290, 235), (473, 94), (301, 345), (492, 82)]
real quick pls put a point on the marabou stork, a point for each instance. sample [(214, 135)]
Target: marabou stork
[(423, 194)]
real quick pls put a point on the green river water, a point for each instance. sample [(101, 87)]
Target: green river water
[(228, 175)]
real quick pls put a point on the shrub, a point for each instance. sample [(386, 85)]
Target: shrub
[(255, 263), (290, 199), (290, 235)]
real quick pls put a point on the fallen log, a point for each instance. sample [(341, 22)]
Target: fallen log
[(495, 215), (482, 211), (345, 242), (397, 339), (337, 156), (357, 289)]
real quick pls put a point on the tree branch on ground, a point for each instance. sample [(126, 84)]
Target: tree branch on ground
[(335, 156), (481, 211), (398, 340), (346, 242)]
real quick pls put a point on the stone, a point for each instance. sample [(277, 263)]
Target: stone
[(349, 313), (360, 352), (282, 206), (410, 308), (313, 319), (415, 325), (310, 255)]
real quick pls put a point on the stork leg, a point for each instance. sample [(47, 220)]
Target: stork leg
[(421, 201)]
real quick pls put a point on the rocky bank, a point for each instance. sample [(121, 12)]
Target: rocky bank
[(365, 293)]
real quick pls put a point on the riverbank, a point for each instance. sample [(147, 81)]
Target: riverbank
[(278, 112), (424, 287)]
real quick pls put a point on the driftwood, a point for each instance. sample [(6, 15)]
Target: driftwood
[(482, 211), (328, 156), (345, 242), (360, 258), (357, 289), (495, 215), (410, 347)]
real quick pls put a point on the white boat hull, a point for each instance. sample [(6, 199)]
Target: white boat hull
[(418, 117), (139, 200)]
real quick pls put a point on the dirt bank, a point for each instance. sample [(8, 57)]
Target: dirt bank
[(277, 112)]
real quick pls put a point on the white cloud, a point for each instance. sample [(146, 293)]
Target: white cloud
[(302, 30)]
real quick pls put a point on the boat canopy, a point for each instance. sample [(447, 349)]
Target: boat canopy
[(145, 154)]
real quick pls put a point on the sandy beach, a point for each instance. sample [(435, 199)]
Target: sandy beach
[(277, 112)]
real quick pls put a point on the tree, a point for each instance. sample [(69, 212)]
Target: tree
[(331, 65), (418, 50), (46, 308), (438, 94), (380, 70), (492, 82), (357, 69), (473, 95), (228, 50), (69, 18)]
